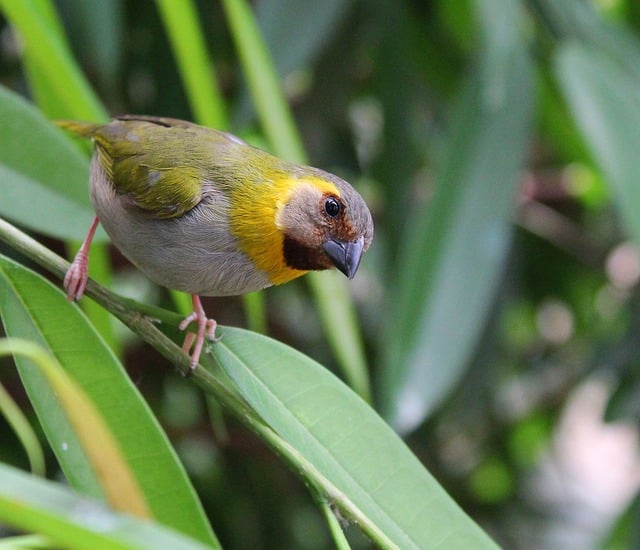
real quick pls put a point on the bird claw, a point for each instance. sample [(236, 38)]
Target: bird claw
[(75, 280), (194, 342)]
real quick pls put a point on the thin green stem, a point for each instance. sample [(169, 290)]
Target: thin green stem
[(339, 538), (256, 312), (24, 432), (338, 315), (194, 63), (263, 82)]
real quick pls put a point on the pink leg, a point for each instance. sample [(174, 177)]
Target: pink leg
[(206, 328), (75, 281)]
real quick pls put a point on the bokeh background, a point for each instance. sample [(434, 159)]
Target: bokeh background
[(497, 145)]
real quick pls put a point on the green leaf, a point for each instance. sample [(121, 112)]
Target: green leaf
[(581, 21), (348, 443), (45, 93), (605, 101), (309, 27), (76, 522), (455, 252), (62, 91), (51, 55), (111, 470), (43, 176), (32, 308)]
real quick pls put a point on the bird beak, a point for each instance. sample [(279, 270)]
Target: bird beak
[(345, 256)]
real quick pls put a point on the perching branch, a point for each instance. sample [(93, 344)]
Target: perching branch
[(143, 319)]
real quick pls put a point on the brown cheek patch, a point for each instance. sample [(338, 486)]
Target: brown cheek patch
[(298, 256), (344, 231), (341, 228)]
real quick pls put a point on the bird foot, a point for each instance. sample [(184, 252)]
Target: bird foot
[(75, 280), (194, 342)]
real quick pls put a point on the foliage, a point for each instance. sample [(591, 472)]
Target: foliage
[(494, 141)]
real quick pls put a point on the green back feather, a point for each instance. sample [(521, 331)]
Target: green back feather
[(165, 165)]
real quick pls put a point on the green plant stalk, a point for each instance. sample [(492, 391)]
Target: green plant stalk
[(142, 320), (337, 314), (339, 538), (255, 311), (262, 79), (272, 108), (196, 68), (24, 432)]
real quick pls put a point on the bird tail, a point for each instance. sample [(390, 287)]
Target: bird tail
[(84, 129)]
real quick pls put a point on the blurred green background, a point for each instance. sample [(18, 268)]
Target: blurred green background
[(496, 143)]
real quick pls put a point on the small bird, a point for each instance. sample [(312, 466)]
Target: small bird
[(201, 211)]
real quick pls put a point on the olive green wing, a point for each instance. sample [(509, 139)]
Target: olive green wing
[(165, 164), (158, 162)]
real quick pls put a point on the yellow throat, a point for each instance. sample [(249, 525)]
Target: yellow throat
[(253, 220)]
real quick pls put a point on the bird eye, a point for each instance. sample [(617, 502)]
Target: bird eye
[(332, 207)]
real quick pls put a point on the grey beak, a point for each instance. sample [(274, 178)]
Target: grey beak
[(345, 256)]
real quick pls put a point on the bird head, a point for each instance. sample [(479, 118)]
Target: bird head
[(325, 223)]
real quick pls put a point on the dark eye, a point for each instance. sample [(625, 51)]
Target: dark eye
[(332, 207)]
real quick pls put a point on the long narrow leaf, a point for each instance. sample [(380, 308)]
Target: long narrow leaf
[(76, 522), (263, 82), (103, 453), (43, 183), (32, 308), (605, 101), (63, 91), (455, 252), (348, 443)]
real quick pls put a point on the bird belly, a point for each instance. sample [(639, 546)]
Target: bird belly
[(194, 253)]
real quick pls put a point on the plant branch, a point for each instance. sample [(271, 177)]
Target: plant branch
[(142, 320)]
